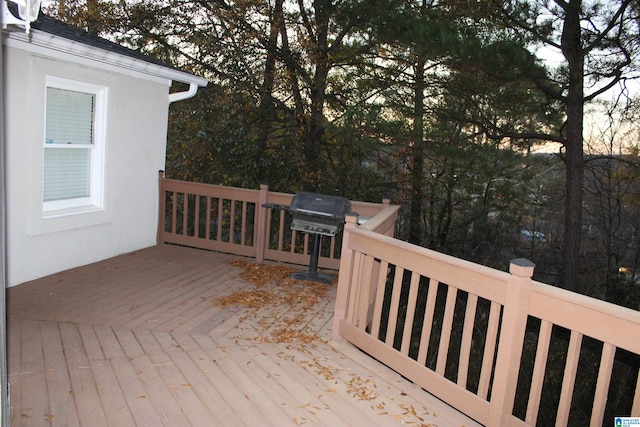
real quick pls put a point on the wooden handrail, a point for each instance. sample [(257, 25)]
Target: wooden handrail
[(374, 266), (235, 220), (491, 313)]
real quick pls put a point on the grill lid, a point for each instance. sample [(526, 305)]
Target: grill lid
[(318, 213), (320, 205)]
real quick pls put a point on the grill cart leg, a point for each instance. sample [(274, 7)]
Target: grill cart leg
[(312, 274)]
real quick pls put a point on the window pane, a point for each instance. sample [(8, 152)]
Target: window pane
[(69, 117), (67, 173)]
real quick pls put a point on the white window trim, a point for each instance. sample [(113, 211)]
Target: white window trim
[(95, 202)]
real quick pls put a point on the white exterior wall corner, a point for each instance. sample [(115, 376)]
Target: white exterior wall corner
[(136, 132)]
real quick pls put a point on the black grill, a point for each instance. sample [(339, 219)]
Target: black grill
[(319, 215)]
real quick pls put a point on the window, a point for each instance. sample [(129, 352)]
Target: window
[(73, 147)]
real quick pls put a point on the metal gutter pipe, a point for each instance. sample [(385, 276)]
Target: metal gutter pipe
[(179, 96)]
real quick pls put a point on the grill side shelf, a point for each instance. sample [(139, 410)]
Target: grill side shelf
[(276, 206)]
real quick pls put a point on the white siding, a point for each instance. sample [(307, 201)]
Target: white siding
[(135, 150)]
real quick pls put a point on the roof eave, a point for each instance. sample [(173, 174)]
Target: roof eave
[(50, 44)]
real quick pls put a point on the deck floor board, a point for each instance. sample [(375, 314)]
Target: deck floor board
[(57, 374), (83, 385), (143, 339), (112, 398)]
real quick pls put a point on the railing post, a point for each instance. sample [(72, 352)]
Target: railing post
[(391, 232), (344, 277), (261, 226), (514, 323), (161, 208)]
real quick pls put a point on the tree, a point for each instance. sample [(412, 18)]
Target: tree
[(598, 41), (290, 56), (421, 99), (414, 39), (612, 186), (437, 69)]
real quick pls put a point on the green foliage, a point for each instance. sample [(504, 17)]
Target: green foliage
[(434, 104), (213, 139)]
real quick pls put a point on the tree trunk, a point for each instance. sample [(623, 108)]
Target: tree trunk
[(315, 137), (417, 156), (320, 58), (572, 51), (267, 107), (267, 103)]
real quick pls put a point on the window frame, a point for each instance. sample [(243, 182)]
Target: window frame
[(95, 200)]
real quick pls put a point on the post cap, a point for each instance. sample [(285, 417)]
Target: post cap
[(521, 267)]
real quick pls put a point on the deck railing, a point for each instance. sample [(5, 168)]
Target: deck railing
[(497, 346), (234, 220)]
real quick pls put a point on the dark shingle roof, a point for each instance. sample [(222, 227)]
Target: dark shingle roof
[(145, 64), (56, 27)]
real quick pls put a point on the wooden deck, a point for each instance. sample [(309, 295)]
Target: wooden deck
[(173, 336)]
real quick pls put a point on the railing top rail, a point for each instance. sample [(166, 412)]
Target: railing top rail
[(279, 198), (589, 316), (366, 208), (212, 190), (465, 275), (237, 193), (592, 317), (387, 214)]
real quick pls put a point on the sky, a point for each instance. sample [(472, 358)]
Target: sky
[(596, 122)]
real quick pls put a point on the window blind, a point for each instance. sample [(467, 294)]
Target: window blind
[(67, 173), (69, 117), (69, 121)]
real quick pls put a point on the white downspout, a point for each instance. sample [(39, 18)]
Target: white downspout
[(179, 96)]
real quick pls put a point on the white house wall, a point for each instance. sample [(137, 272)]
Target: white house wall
[(134, 152)]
